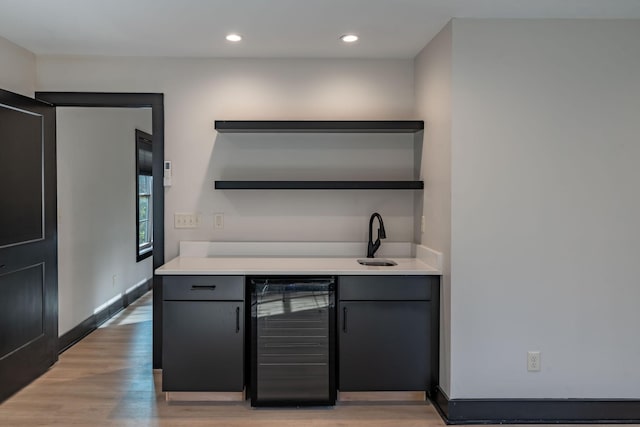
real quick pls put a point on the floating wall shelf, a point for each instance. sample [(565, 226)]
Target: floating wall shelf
[(319, 185), (319, 126)]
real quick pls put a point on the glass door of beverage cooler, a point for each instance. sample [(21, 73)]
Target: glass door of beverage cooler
[(293, 322)]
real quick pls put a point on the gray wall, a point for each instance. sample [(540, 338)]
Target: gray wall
[(97, 209), (18, 68), (544, 184), (530, 168), (433, 74)]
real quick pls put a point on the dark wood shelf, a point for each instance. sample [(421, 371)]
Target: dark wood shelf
[(319, 185), (319, 126)]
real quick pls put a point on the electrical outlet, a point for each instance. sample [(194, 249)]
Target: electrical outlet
[(533, 361), (218, 220), (186, 220)]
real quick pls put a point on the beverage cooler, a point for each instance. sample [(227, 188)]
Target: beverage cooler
[(293, 341)]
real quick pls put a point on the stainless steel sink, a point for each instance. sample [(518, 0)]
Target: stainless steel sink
[(377, 261)]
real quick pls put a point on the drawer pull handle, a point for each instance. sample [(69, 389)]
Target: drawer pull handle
[(344, 319), (237, 319), (203, 287)]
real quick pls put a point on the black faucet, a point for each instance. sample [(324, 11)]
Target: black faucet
[(372, 247)]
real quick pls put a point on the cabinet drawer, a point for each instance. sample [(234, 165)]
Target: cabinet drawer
[(386, 288), (203, 288)]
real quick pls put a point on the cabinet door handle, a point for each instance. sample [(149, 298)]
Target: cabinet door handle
[(203, 287), (344, 319), (237, 319)]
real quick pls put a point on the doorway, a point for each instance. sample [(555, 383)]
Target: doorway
[(155, 101)]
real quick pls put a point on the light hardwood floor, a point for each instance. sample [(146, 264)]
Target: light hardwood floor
[(107, 380)]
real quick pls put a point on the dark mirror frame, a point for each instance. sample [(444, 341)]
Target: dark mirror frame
[(134, 100)]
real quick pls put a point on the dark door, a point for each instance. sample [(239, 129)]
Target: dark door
[(28, 246)]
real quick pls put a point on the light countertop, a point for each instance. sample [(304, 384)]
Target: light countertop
[(290, 266)]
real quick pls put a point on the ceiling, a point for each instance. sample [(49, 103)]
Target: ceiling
[(271, 28)]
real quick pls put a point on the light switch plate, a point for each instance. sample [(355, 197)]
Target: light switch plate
[(186, 220), (218, 221)]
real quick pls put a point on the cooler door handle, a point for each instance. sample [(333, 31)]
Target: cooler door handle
[(344, 319)]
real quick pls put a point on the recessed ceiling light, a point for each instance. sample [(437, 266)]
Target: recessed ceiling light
[(234, 37), (349, 38)]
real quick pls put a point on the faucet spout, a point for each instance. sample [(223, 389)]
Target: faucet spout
[(372, 246)]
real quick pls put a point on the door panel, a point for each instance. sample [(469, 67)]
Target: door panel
[(384, 345), (28, 252), (21, 308), (203, 346), (22, 150)]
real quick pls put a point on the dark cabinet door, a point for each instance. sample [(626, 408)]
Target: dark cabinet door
[(384, 345), (203, 346)]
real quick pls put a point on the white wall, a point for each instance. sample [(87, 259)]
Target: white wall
[(199, 91), (545, 208), (433, 69), (18, 68), (96, 208)]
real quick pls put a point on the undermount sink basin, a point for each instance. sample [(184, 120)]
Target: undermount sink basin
[(377, 261)]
